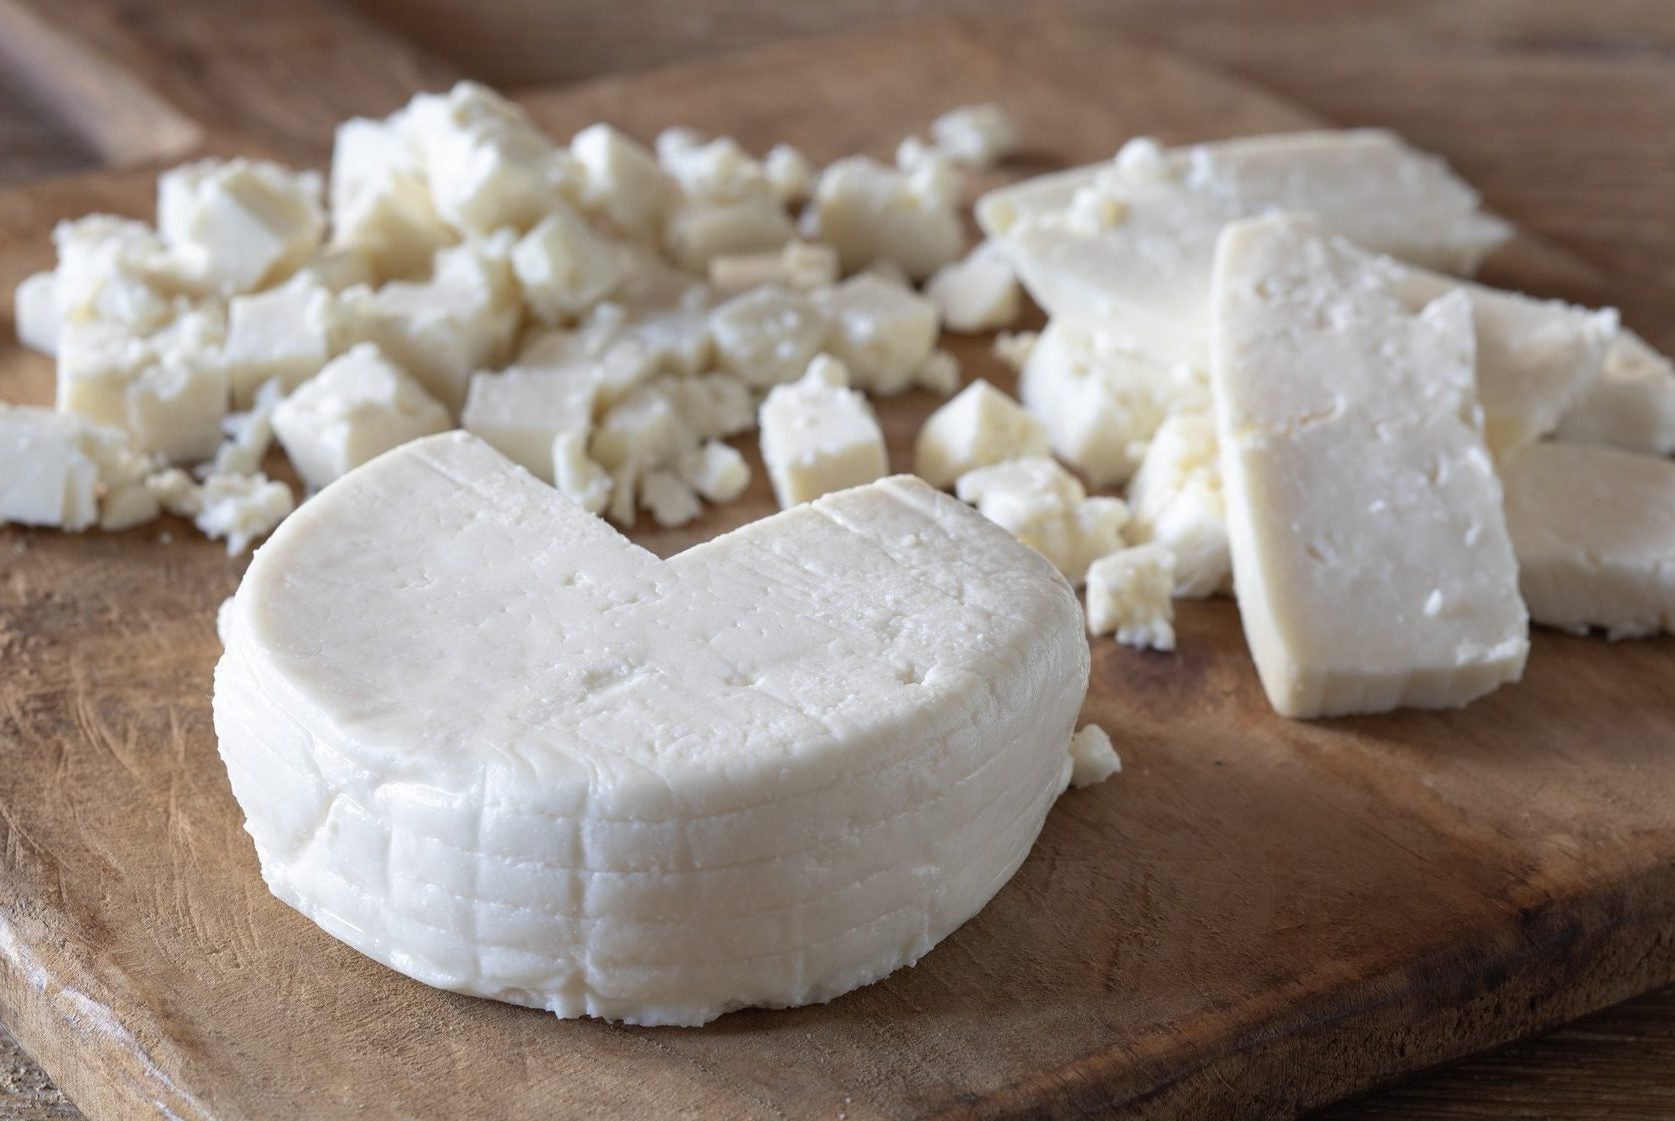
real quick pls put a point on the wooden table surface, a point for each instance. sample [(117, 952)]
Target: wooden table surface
[(1563, 111)]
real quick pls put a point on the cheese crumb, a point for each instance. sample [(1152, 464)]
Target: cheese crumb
[(1045, 507), (978, 136), (1129, 593), (978, 293), (980, 427), (1092, 758), (818, 435)]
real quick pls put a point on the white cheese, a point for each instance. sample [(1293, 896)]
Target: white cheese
[(1369, 549), (1631, 405), (784, 762), (1092, 758), (336, 268), (521, 410), (286, 333), (1099, 399), (248, 434), (871, 212), (668, 498), (50, 467), (712, 405), (979, 427), (487, 165), (1130, 594), (882, 330), (789, 173), (565, 266), (1594, 531), (768, 336), (621, 180), (978, 293), (717, 170), (1175, 499), (1045, 507), (978, 136), (646, 429), (819, 436), (1015, 347), (359, 406), (241, 508), (716, 471), (798, 264), (238, 225), (578, 476), (701, 229), (116, 270), (939, 373), (463, 319), (35, 312), (380, 204), (1145, 274)]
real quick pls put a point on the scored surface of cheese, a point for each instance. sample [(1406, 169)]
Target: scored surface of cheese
[(1594, 531), (1130, 244), (773, 768), (1370, 553)]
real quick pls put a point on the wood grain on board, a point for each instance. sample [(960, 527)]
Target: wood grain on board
[(1259, 916)]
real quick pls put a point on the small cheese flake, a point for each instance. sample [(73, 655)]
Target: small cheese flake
[(1130, 595), (1045, 507), (978, 136), (1092, 758)]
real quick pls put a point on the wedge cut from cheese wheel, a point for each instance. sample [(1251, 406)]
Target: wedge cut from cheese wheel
[(1370, 554), (1594, 531), (484, 739), (1132, 250), (1632, 404)]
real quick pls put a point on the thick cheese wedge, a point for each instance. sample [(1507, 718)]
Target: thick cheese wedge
[(1370, 554), (1594, 530), (1130, 245), (486, 740), (1631, 405)]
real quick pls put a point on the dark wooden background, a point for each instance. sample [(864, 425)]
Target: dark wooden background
[(1563, 111)]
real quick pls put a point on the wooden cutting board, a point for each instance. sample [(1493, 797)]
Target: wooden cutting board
[(1255, 917)]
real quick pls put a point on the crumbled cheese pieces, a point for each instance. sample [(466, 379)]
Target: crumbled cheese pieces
[(565, 266), (578, 476), (241, 509), (1630, 406), (795, 686), (1322, 374), (1142, 268), (1130, 595), (768, 336), (238, 224), (359, 406), (1594, 532), (1045, 507), (980, 427), (1175, 499), (286, 333), (54, 467), (485, 163), (819, 436), (520, 412), (978, 293), (978, 136), (871, 212), (882, 330), (1092, 758), (35, 311), (717, 471)]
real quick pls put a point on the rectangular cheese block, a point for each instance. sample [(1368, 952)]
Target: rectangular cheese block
[(1370, 553), (1594, 531), (1632, 403), (1130, 245)]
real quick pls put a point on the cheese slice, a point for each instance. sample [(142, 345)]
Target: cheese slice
[(1594, 530), (1632, 403), (1132, 248), (773, 768), (1370, 554)]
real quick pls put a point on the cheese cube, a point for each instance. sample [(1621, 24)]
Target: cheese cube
[(336, 268), (1129, 594), (789, 173), (978, 136), (818, 435), (621, 180), (49, 473), (612, 361), (938, 374), (117, 270), (677, 340), (248, 434), (668, 498), (1388, 579), (1175, 499), (768, 336), (241, 508), (367, 155), (716, 170), (97, 361), (1045, 507), (359, 406), (175, 407), (798, 264), (285, 334), (981, 426), (933, 177), (35, 312), (521, 410), (713, 405), (576, 475), (487, 165), (462, 320), (870, 212), (1630, 406), (1594, 532), (1100, 400), (1092, 758), (565, 266), (126, 506), (882, 331), (978, 293), (395, 226), (716, 471), (702, 229), (646, 429), (239, 224)]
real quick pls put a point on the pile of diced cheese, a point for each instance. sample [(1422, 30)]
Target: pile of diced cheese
[(605, 314)]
